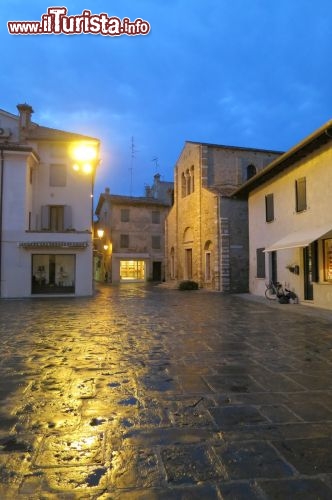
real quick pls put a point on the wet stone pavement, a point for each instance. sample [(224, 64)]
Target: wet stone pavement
[(143, 392)]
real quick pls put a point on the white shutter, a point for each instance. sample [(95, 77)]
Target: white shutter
[(67, 222), (45, 217)]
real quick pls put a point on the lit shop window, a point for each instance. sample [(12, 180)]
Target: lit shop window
[(132, 270)]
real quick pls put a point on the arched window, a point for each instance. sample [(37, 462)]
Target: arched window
[(251, 171), (188, 182), (192, 174), (183, 185)]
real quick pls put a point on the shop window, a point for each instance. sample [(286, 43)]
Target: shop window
[(269, 208), (260, 262), (132, 270), (328, 260), (53, 273), (301, 194)]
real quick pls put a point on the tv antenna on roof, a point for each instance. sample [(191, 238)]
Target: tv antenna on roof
[(133, 151), (155, 160)]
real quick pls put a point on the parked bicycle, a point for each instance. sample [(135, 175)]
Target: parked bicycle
[(276, 291)]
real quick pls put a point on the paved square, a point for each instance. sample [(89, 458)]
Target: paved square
[(142, 392)]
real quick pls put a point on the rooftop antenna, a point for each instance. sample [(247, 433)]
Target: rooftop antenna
[(155, 160), (133, 151)]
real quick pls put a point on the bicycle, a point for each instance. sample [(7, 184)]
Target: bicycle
[(276, 291)]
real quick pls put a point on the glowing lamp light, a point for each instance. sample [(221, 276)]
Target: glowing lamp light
[(84, 153), (87, 168), (100, 233), (84, 156)]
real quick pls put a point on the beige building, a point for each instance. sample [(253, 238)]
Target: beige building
[(290, 221), (45, 208), (206, 229), (133, 245)]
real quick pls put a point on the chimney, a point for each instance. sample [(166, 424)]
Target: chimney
[(107, 190), (25, 116)]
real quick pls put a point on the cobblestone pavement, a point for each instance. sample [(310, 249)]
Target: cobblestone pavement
[(147, 393)]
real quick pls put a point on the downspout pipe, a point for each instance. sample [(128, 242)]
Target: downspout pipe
[(2, 165)]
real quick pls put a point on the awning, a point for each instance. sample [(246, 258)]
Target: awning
[(53, 244), (299, 239)]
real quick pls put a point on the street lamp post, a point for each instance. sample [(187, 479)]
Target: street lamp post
[(85, 161)]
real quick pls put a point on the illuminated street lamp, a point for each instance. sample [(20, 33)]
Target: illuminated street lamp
[(100, 233), (84, 156)]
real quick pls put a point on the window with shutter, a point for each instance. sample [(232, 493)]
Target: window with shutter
[(58, 175), (260, 262), (301, 194), (45, 218), (269, 208)]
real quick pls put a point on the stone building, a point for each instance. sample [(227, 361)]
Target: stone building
[(133, 245), (206, 229), (290, 221), (45, 208)]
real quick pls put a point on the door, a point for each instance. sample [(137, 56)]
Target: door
[(189, 264), (156, 271), (273, 267), (310, 269)]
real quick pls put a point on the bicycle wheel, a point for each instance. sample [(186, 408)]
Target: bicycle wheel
[(270, 293)]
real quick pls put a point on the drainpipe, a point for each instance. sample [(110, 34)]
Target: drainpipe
[(2, 164)]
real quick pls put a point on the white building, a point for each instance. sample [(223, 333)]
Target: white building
[(46, 242), (290, 221)]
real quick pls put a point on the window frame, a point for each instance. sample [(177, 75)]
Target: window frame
[(124, 240), (269, 207), (301, 194), (260, 263)]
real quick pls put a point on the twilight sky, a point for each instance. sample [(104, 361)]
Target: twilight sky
[(243, 73)]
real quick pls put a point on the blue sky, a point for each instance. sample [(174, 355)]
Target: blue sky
[(255, 74)]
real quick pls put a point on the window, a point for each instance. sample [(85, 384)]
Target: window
[(188, 181), (156, 245), (58, 175), (132, 270), (269, 208), (251, 171), (53, 273), (301, 194), (56, 218), (124, 240), (328, 259), (155, 217), (125, 215), (260, 262)]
